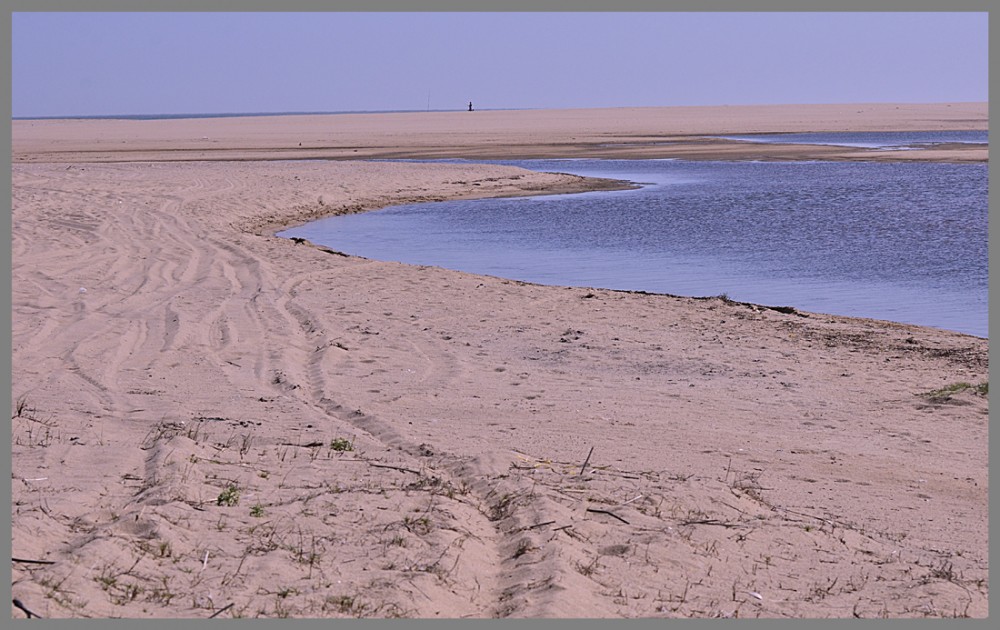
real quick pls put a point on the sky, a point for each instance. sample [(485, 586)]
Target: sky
[(89, 64)]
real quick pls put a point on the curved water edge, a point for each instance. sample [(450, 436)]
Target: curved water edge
[(901, 242)]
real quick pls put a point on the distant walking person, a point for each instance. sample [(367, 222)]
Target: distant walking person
[(470, 106)]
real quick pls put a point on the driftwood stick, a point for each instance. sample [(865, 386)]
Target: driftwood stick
[(389, 466), (828, 521), (632, 499), (709, 521), (409, 470), (536, 526), (24, 608), (586, 461), (221, 610), (611, 514), (26, 561)]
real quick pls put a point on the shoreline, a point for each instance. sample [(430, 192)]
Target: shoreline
[(581, 184), (201, 406), (566, 184), (786, 308)]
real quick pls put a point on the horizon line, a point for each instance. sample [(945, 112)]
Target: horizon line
[(189, 115)]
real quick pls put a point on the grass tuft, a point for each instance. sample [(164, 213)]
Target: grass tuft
[(229, 496)]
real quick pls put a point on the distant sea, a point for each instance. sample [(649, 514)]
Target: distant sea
[(236, 115)]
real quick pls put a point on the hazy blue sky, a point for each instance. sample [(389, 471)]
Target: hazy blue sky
[(162, 63)]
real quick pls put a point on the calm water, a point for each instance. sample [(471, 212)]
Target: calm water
[(904, 242), (871, 140)]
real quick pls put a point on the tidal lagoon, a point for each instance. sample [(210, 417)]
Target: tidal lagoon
[(904, 242)]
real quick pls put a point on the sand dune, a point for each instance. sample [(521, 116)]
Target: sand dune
[(209, 419)]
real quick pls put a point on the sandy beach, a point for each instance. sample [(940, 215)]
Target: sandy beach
[(211, 420)]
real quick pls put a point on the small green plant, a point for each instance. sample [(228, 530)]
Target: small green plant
[(343, 603), (106, 579), (502, 508), (340, 445), (945, 393), (161, 595), (257, 511), (420, 525), (229, 496), (523, 547)]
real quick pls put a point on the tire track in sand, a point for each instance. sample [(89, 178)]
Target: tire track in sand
[(512, 582), (156, 259)]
